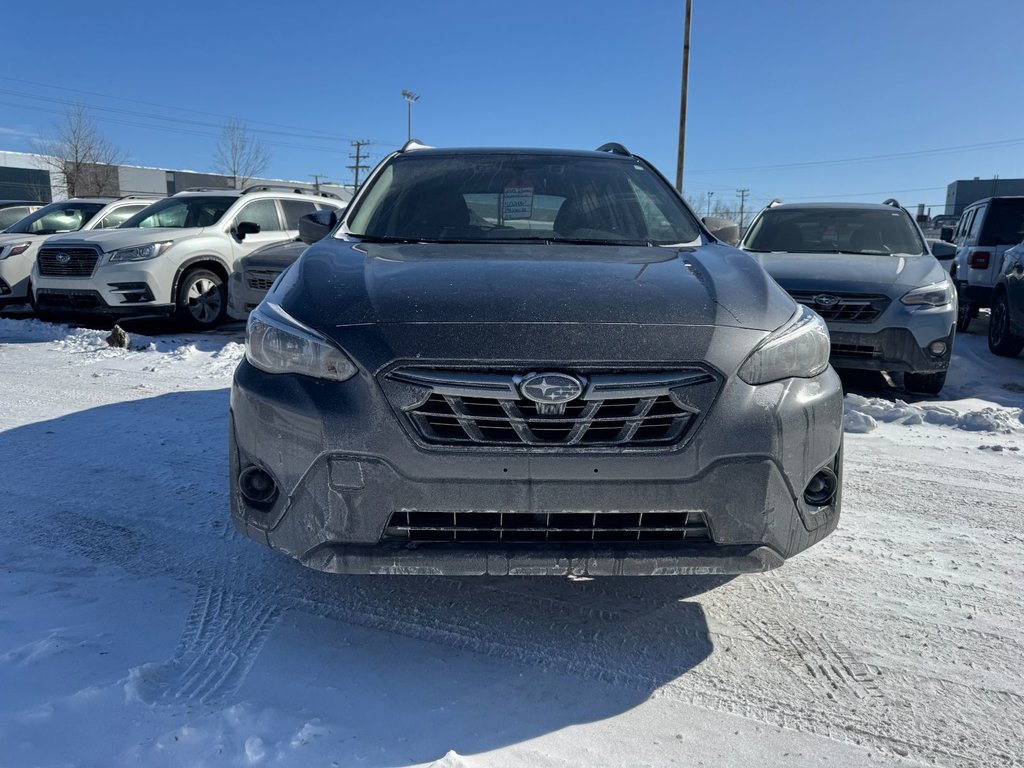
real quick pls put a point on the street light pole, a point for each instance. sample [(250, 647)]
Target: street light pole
[(410, 98), (709, 202)]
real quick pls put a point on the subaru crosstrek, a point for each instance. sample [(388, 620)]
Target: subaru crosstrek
[(866, 269), (172, 258), (538, 362)]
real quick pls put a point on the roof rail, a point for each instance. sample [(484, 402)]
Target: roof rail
[(413, 144), (208, 189), (147, 196), (322, 193), (267, 187), (615, 148), (893, 202), (773, 203)]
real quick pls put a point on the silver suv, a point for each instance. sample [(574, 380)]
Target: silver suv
[(20, 243), (867, 270), (174, 258)]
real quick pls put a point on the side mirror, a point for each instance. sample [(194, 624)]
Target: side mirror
[(316, 226), (943, 251), (725, 230), (246, 228), (946, 233)]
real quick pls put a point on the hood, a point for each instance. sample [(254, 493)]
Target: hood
[(6, 238), (342, 283), (891, 275), (276, 256), (112, 239)]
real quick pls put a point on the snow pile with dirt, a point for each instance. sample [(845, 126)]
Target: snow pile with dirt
[(137, 628)]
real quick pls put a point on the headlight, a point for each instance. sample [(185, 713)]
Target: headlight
[(278, 343), (13, 250), (935, 295), (799, 348), (140, 252)]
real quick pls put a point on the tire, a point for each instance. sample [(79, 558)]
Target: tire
[(964, 315), (1001, 340), (924, 383), (202, 300)]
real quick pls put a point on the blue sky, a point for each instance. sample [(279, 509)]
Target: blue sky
[(779, 91)]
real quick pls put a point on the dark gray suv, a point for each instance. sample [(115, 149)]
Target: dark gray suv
[(532, 362)]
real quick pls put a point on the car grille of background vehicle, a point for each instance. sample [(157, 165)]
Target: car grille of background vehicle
[(261, 280), (616, 410), (851, 307), (566, 526), (67, 262)]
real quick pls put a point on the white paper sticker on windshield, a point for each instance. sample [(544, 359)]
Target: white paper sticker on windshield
[(517, 203)]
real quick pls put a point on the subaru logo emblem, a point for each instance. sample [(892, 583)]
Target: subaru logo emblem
[(550, 388), (826, 300), (63, 258)]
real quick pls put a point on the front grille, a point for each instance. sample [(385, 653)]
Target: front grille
[(261, 280), (573, 527), (851, 307), (67, 262), (50, 298), (483, 409), (854, 350)]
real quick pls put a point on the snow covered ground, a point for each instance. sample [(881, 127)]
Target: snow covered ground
[(137, 629)]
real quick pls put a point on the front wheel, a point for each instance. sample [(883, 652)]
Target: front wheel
[(965, 313), (1000, 339), (924, 383), (202, 301)]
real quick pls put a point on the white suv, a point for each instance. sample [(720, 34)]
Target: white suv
[(20, 243), (173, 258)]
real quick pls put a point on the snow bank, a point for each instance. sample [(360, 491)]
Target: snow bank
[(863, 414)]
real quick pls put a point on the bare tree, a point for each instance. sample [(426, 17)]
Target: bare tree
[(239, 154), (81, 156)]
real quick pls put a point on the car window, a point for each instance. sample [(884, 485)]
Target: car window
[(964, 224), (835, 230), (515, 196), (975, 226), (56, 218), (262, 212), (1004, 224), (13, 214), (295, 210), (179, 212), (119, 215)]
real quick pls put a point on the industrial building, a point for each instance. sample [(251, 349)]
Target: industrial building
[(25, 176), (963, 192)]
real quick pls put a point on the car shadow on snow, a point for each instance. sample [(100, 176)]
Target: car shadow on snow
[(470, 664), (23, 329)]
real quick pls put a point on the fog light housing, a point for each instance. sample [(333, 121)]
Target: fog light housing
[(937, 348), (821, 490), (257, 486)]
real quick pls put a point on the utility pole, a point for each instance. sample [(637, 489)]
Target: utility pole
[(317, 182), (742, 195), (358, 156), (410, 99), (709, 203), (682, 98)]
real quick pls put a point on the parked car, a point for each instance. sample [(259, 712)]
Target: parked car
[(12, 211), (866, 269), (19, 245), (1006, 325), (171, 259), (255, 274), (986, 230), (456, 381)]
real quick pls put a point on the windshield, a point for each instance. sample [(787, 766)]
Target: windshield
[(1004, 224), (478, 197), (181, 212), (835, 230), (56, 218)]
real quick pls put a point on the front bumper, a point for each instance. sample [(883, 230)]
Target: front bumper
[(893, 349), (343, 463), (131, 289), (242, 298)]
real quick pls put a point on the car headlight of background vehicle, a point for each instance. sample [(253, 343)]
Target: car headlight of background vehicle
[(140, 252), (278, 343), (800, 348), (934, 295), (13, 250)]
